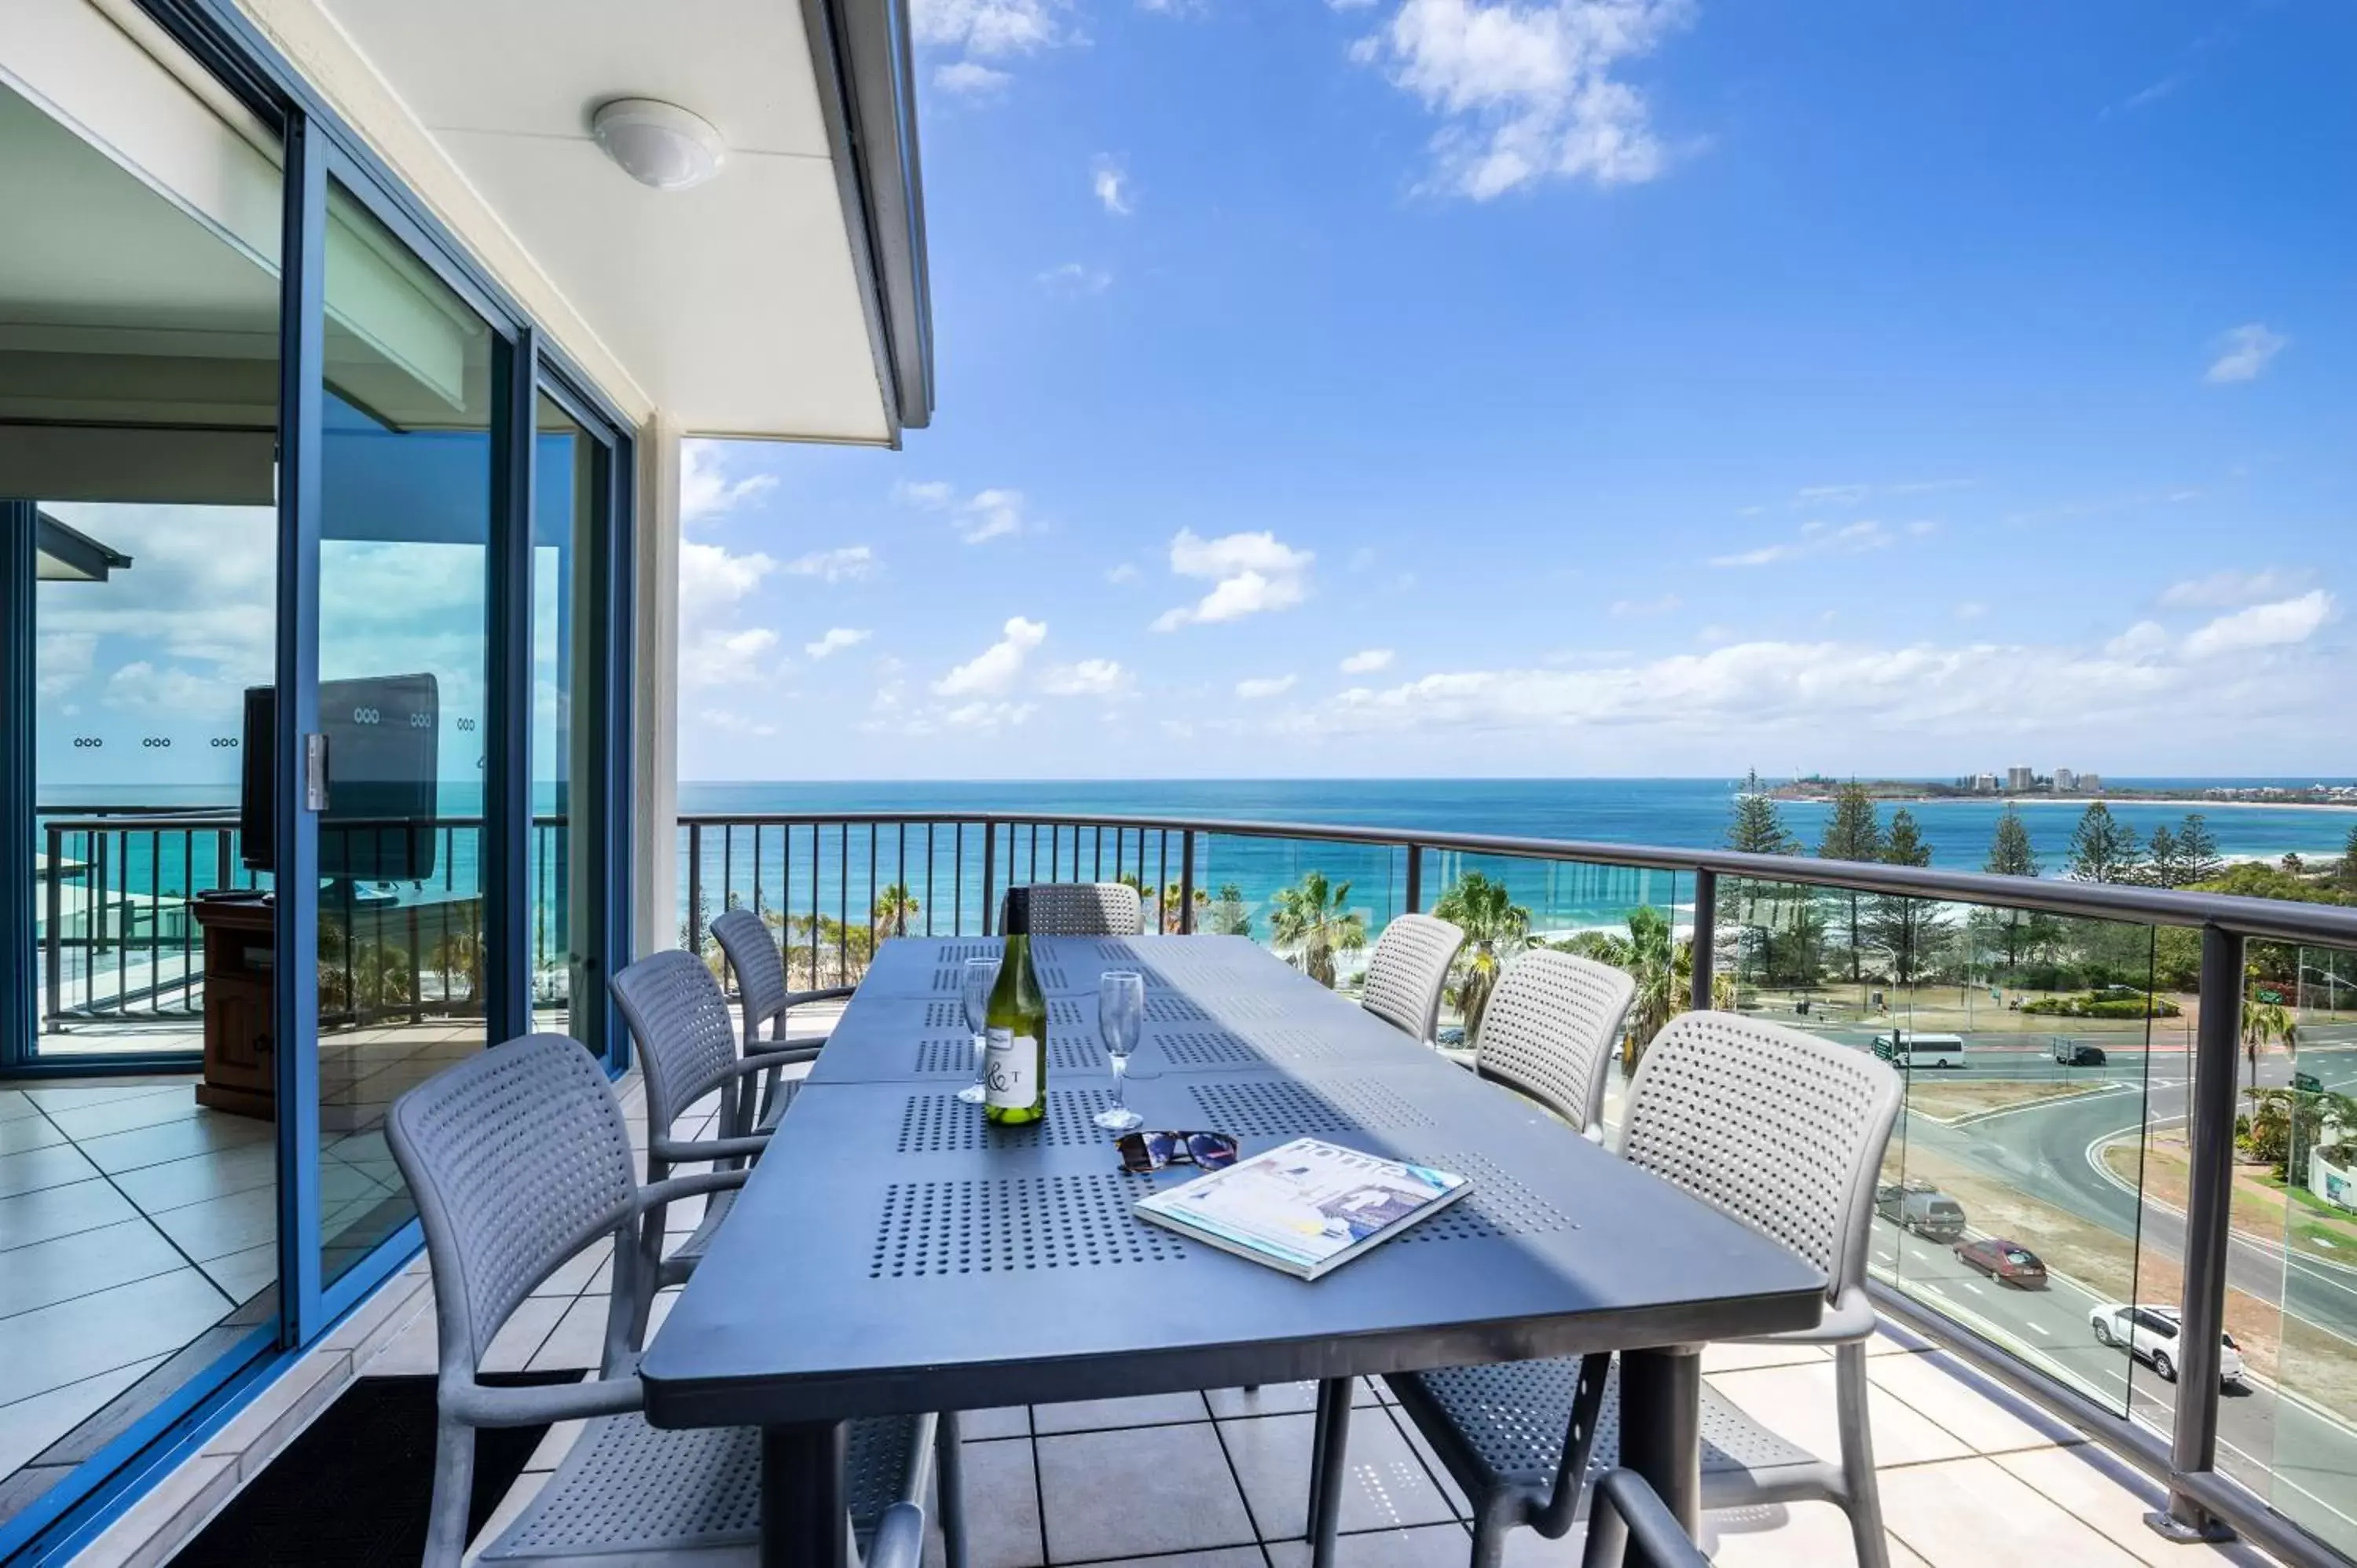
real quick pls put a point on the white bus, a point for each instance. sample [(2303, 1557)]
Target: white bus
[(1906, 1048)]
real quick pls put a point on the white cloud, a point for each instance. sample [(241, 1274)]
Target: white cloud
[(993, 669), (1815, 539), (1075, 277), (2245, 351), (1367, 662), (2262, 626), (2145, 639), (1252, 573), (931, 494), (1831, 495), (970, 79), (987, 715), (1259, 688), (850, 562), (1125, 573), (1089, 678), (990, 27), (724, 656), (1110, 181), (836, 639), (2230, 588), (734, 722), (712, 577), (991, 514), (706, 489), (1528, 92), (1660, 607)]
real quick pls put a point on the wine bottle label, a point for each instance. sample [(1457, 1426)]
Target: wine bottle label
[(1011, 1070)]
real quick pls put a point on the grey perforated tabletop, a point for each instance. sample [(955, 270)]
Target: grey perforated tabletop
[(893, 1253)]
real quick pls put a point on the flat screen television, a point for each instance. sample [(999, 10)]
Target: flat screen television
[(382, 821)]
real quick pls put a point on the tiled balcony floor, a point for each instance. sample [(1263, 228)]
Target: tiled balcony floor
[(1970, 1478)]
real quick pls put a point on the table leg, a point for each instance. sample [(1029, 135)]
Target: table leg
[(802, 1517), (1661, 1426), (1329, 1457)]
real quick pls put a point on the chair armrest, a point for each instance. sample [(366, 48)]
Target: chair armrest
[(783, 1053), (824, 993), (695, 1151), (671, 1189), (471, 1404), (1850, 1319), (899, 1539), (1622, 1498)]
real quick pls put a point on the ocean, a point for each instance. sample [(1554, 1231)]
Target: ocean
[(1689, 813)]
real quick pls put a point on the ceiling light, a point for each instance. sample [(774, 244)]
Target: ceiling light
[(659, 144)]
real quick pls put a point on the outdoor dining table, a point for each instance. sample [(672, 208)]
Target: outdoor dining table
[(892, 1252)]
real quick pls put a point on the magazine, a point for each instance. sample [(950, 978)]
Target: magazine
[(1307, 1208)]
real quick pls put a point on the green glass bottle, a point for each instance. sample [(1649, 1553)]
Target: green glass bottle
[(1015, 1064)]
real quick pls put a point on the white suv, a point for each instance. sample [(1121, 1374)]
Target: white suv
[(2150, 1334)]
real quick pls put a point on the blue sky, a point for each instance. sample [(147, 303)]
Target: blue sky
[(1587, 387)]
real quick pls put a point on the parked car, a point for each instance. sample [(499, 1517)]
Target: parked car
[(2075, 1053), (2150, 1332), (1922, 1207), (2007, 1263), (2308, 1083)]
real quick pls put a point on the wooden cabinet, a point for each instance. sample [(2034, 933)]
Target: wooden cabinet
[(240, 1064)]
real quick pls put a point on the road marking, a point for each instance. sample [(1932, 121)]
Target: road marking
[(1971, 1287), (2037, 1328)]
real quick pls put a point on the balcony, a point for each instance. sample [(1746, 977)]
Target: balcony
[(2001, 1423)]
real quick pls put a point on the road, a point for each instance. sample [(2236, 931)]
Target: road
[(2282, 1447)]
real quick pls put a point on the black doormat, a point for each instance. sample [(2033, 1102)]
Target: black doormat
[(356, 1486)]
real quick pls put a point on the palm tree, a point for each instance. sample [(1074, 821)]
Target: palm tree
[(1653, 963), (1174, 906), (1495, 927), (1312, 920), (2264, 1023), (895, 906)]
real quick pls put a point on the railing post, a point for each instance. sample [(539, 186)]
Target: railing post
[(990, 869), (1414, 879), (52, 937), (1705, 937), (694, 888), (1187, 882), (2193, 1447)]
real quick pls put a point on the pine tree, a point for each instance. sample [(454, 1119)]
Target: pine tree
[(1853, 832), (1758, 827), (2347, 876), (2197, 849), (2166, 865), (2104, 849), (1912, 929), (2012, 855)]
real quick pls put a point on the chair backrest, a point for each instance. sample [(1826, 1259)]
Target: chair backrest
[(1780, 1129), (1407, 971), (679, 1024), (760, 969), (1082, 909), (517, 1159), (1549, 1030)]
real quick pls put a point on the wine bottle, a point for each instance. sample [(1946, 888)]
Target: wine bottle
[(1014, 1069)]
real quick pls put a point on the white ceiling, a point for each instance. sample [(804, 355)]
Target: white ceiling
[(736, 305)]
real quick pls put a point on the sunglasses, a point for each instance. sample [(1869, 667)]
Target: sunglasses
[(1143, 1151)]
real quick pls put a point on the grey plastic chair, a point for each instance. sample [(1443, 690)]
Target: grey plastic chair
[(518, 1159), (1549, 1033), (1407, 971), (754, 957), (1625, 1508), (686, 1049), (1780, 1130), (1082, 909)]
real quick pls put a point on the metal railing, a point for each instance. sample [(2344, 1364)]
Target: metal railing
[(117, 941), (835, 885)]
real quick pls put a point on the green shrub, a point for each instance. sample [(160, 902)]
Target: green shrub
[(2099, 1005)]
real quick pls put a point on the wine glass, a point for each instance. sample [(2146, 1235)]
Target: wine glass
[(980, 979), (1121, 1019)]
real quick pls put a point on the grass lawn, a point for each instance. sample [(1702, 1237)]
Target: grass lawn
[(2311, 1225)]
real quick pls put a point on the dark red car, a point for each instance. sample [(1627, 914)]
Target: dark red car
[(2007, 1263)]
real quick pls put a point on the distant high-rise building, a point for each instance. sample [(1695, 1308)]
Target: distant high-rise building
[(1984, 783), (2065, 780), (2020, 780), (2091, 783)]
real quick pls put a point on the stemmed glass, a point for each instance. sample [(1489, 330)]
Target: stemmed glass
[(1121, 1019), (980, 979)]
